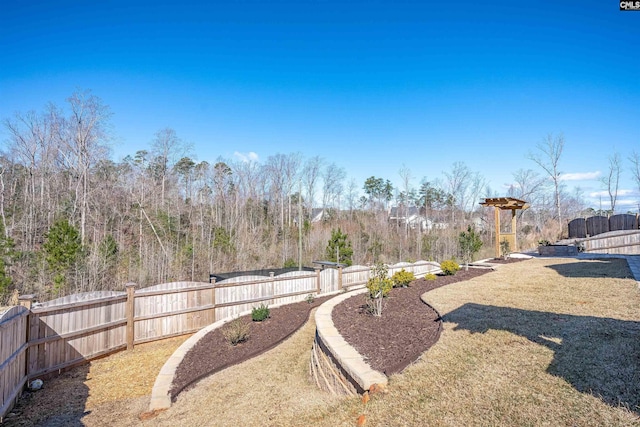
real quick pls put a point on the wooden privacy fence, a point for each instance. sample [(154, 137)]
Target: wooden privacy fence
[(592, 226), (40, 339)]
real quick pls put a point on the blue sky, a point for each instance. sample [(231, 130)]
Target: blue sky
[(371, 86)]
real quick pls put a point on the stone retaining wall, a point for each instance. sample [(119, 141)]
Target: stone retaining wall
[(335, 366)]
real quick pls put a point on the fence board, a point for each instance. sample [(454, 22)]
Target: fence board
[(13, 334)]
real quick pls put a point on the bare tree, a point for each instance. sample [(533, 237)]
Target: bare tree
[(528, 185), (332, 187), (612, 180), (634, 158), (167, 148), (458, 182), (85, 136), (352, 195), (548, 158), (310, 175)]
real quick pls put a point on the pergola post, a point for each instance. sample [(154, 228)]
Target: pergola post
[(513, 229), (496, 215)]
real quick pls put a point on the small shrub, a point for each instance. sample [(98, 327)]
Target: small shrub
[(379, 286), (310, 298), (258, 314), (290, 263), (430, 276), (505, 248), (449, 267), (236, 331), (402, 278)]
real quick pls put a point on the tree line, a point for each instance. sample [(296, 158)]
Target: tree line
[(72, 219)]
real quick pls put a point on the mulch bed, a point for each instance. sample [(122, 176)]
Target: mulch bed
[(407, 328), (214, 353)]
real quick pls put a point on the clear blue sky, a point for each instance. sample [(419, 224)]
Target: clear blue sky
[(369, 85)]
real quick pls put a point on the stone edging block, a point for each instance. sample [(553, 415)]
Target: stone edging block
[(343, 353)]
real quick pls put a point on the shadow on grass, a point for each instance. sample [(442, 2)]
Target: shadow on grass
[(600, 356), (608, 267)]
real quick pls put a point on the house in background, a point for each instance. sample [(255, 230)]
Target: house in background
[(414, 218)]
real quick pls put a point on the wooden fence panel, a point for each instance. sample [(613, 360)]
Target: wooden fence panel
[(578, 228), (356, 275), (597, 225), (171, 309), (253, 289), (74, 329), (301, 283), (623, 222), (328, 280), (13, 336), (422, 268), (393, 269)]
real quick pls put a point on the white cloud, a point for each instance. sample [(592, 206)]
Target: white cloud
[(605, 193), (579, 176), (628, 204), (246, 157), (599, 194)]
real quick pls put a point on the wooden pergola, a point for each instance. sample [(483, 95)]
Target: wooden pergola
[(503, 204)]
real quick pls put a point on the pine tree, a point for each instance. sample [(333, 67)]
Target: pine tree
[(470, 243), (7, 255), (62, 249), (339, 245)]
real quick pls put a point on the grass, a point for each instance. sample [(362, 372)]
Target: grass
[(542, 342)]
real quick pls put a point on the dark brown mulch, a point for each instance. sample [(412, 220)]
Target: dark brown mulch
[(389, 343), (407, 328), (214, 353)]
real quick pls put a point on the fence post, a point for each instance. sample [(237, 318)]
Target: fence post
[(213, 298), (318, 290), (26, 301), (130, 313), (273, 287), (339, 278)]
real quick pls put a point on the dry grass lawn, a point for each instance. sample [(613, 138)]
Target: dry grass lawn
[(543, 342)]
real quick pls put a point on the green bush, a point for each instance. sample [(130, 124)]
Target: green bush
[(290, 263), (379, 286), (310, 298), (449, 267), (258, 314), (236, 331), (430, 276), (402, 278)]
